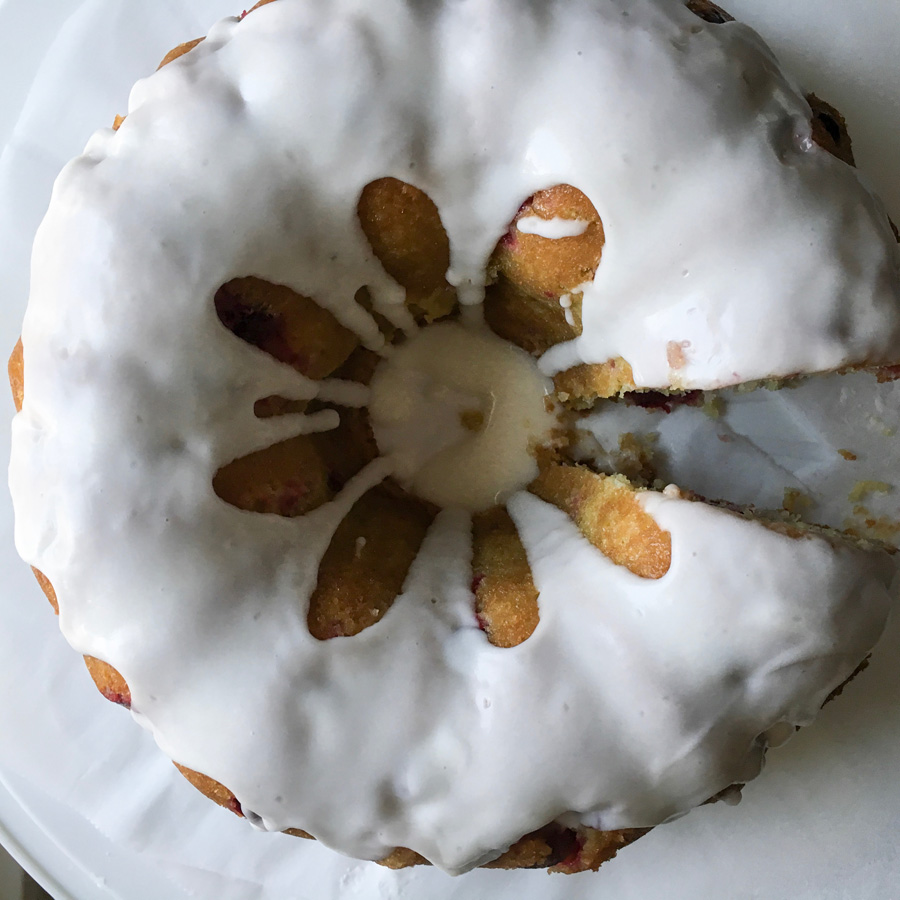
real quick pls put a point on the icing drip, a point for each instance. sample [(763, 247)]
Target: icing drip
[(554, 229), (566, 303), (231, 161)]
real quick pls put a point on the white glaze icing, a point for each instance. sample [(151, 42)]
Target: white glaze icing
[(553, 229), (566, 303), (423, 391), (452, 747)]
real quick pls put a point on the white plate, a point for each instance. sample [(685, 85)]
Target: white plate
[(822, 821)]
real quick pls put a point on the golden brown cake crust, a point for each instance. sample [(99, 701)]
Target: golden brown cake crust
[(404, 229), (366, 563), (581, 386), (180, 51), (606, 511), (544, 268), (506, 600)]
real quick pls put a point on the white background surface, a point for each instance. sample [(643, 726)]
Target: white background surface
[(822, 821)]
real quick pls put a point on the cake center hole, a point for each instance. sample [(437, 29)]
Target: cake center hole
[(461, 413)]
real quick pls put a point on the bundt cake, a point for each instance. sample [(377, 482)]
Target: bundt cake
[(307, 334)]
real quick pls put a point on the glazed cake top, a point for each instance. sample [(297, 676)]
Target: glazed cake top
[(729, 235)]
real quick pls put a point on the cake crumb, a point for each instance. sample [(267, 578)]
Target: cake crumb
[(864, 524), (714, 407), (584, 447), (637, 456), (796, 501), (879, 426), (863, 488)]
